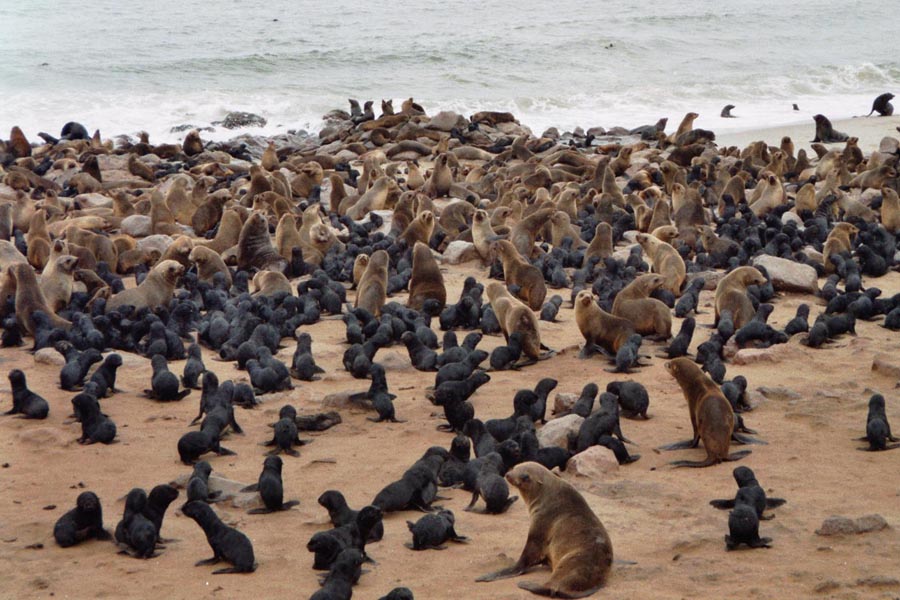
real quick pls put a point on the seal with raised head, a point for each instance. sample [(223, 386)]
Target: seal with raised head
[(564, 532), (826, 133), (228, 543), (712, 418), (731, 295), (156, 290), (518, 271), (882, 105), (83, 522), (426, 281), (372, 290), (255, 247), (599, 328)]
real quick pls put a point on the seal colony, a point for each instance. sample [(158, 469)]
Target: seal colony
[(253, 254)]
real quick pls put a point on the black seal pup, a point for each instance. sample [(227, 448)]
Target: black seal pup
[(270, 488), (341, 514), (878, 430), (164, 383), (135, 533), (83, 522), (432, 530), (25, 402), (198, 484), (227, 543)]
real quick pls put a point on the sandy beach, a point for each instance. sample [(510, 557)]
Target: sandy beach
[(809, 406)]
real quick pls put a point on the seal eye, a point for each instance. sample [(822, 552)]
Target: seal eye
[(526, 478)]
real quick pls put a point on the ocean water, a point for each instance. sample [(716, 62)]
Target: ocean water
[(124, 66)]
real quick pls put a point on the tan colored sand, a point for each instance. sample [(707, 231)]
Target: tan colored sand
[(657, 517)]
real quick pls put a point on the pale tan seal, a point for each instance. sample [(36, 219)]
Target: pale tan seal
[(208, 264), (426, 281), (731, 295), (564, 532), (372, 290), (154, 291)]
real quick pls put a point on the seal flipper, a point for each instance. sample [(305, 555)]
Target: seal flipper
[(736, 456), (209, 561), (541, 590), (742, 439), (722, 504), (683, 445)]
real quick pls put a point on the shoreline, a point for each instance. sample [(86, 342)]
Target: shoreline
[(869, 130)]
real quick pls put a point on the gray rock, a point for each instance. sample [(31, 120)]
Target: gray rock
[(446, 120), (788, 275), (836, 526), (889, 145), (459, 251), (238, 119), (710, 279), (49, 356), (556, 432), (155, 242), (778, 393), (870, 523), (136, 226), (564, 402), (595, 462)]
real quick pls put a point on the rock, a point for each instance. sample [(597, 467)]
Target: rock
[(870, 523), (564, 402), (595, 462), (751, 356), (813, 254), (837, 525), (889, 145), (394, 361), (340, 400), (513, 129), (596, 131), (49, 356), (556, 431), (551, 133), (459, 251), (778, 393), (136, 225), (788, 275), (447, 120), (884, 365), (792, 217), (630, 236), (227, 488), (155, 242), (238, 119), (710, 279), (617, 131), (94, 200)]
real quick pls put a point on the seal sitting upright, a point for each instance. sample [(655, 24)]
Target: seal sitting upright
[(564, 532)]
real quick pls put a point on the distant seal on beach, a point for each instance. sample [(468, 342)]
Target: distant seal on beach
[(882, 105), (564, 532), (726, 112), (25, 402), (712, 418), (270, 488), (825, 133)]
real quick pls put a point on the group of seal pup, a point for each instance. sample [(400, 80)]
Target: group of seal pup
[(194, 224)]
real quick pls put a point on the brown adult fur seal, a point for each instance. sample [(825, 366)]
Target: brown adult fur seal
[(426, 281), (56, 281), (526, 230), (376, 198), (29, 299), (38, 240), (100, 246), (731, 294), (209, 213), (208, 264), (517, 271), (561, 228), (601, 245), (269, 283), (179, 202), (483, 234), (441, 179), (711, 415), (372, 289), (255, 249), (18, 143), (648, 315), (420, 229), (839, 240), (155, 290), (515, 317), (228, 234), (359, 267), (598, 327), (287, 236), (826, 133), (890, 210), (180, 251), (564, 532), (665, 260)]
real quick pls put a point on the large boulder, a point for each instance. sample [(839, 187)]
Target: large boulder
[(595, 462), (137, 226), (459, 251), (238, 119), (557, 431), (446, 120), (789, 276)]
